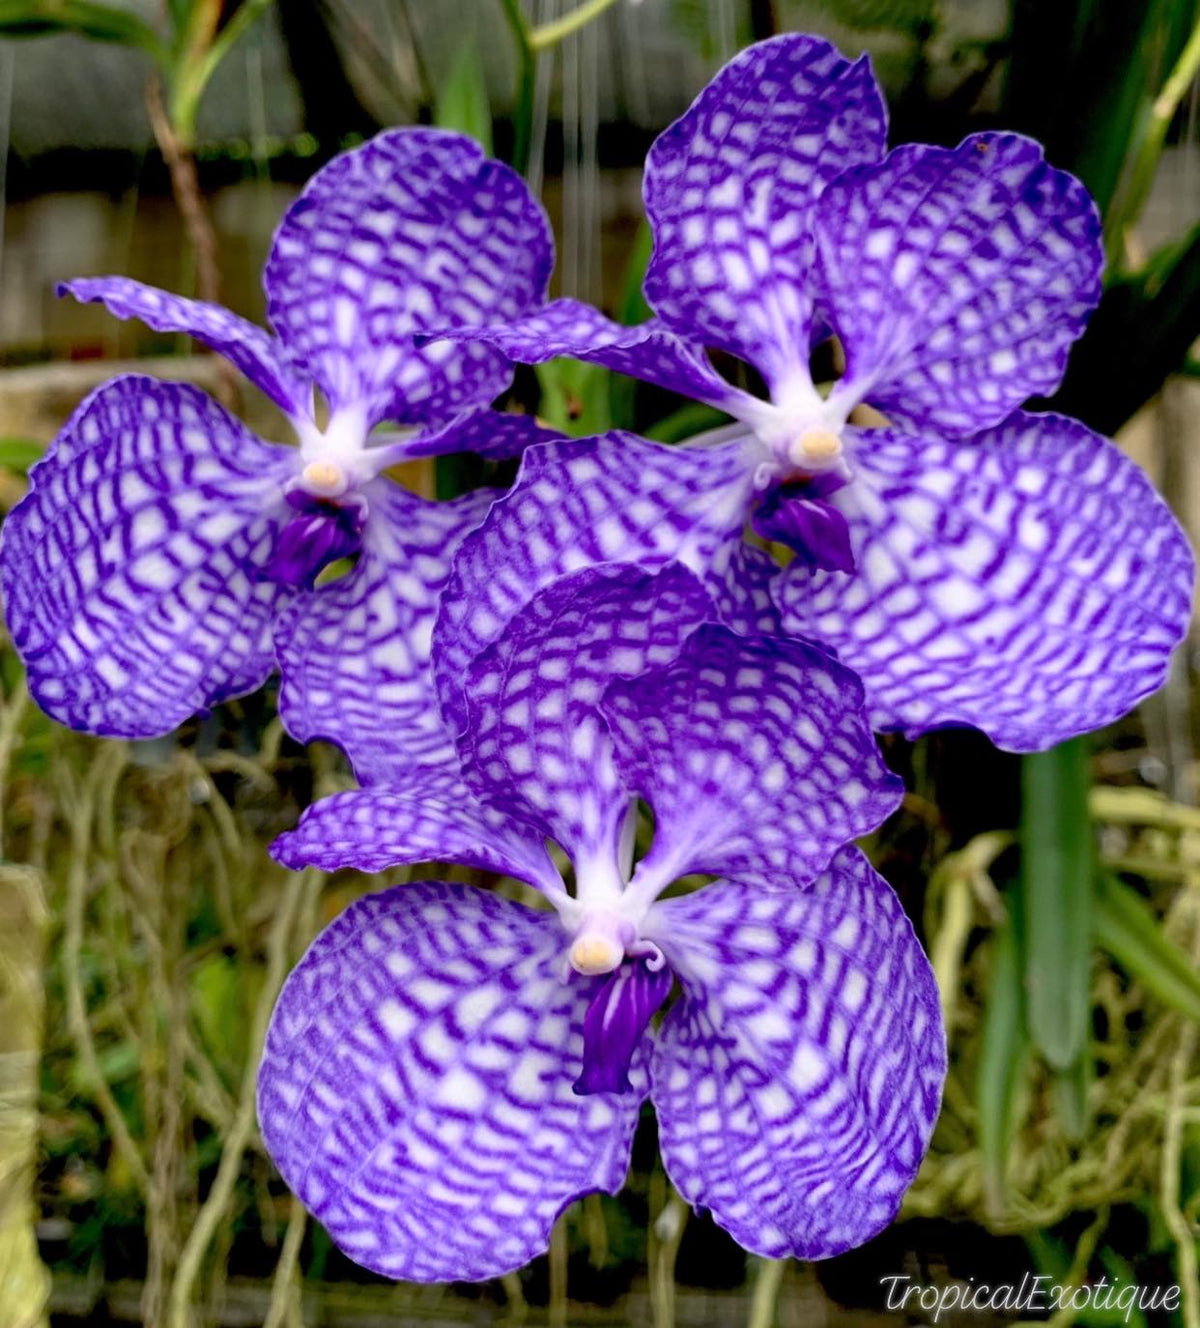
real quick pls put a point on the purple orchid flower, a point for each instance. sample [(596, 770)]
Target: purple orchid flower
[(446, 1069), (165, 557), (974, 564)]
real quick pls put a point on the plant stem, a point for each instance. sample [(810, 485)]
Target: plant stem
[(766, 1293), (526, 85), (550, 34), (1131, 197)]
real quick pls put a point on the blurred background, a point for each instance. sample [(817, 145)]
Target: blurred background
[(144, 932)]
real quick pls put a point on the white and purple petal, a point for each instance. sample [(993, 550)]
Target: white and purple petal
[(755, 755), (957, 279), (247, 347), (615, 498), (730, 189), (650, 351), (131, 571), (497, 435), (422, 816), (416, 1086), (1028, 582), (798, 1080), (354, 654), (534, 743), (414, 231)]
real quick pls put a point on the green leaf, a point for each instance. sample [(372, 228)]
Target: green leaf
[(20, 453), (632, 307), (1057, 870), (575, 396), (1003, 1055), (462, 100), (1082, 75), (1126, 928), (1071, 1087), (1142, 331), (100, 22), (685, 422)]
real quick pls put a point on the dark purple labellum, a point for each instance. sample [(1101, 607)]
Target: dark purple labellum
[(615, 1021), (322, 531), (797, 515)]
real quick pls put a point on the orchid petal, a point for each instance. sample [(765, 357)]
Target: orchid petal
[(422, 816), (957, 279), (730, 189), (533, 742), (354, 654), (650, 351), (755, 756), (130, 570), (498, 435), (414, 230), (248, 348), (615, 498), (415, 1090), (798, 1080), (1029, 582)]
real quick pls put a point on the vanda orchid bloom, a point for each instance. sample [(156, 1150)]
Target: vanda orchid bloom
[(447, 1069), (165, 557), (972, 563)]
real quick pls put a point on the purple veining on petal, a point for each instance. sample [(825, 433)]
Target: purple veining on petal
[(354, 655), (798, 515), (321, 531), (415, 1088), (614, 498), (129, 569), (414, 230), (650, 351), (533, 743), (257, 354), (957, 279), (756, 756), (615, 1021), (729, 191), (1029, 582), (798, 1079)]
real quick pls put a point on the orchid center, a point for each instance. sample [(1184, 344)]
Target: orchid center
[(325, 479), (601, 943), (815, 449)]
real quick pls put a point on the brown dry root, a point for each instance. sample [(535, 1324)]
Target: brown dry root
[(24, 1279), (1147, 1068)]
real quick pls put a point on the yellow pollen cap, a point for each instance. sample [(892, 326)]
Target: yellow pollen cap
[(816, 445), (595, 954), (323, 475)]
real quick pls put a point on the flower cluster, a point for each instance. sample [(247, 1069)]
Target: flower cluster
[(514, 675)]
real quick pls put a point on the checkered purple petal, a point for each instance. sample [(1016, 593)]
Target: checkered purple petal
[(615, 498), (755, 755), (650, 351), (415, 1090), (128, 571), (498, 435), (534, 742), (1029, 582), (798, 1081), (415, 230), (729, 194), (259, 356), (423, 816), (354, 654), (958, 279)]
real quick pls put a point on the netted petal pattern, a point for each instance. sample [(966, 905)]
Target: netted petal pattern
[(1030, 583), (415, 1090), (798, 1080), (129, 570), (755, 755)]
